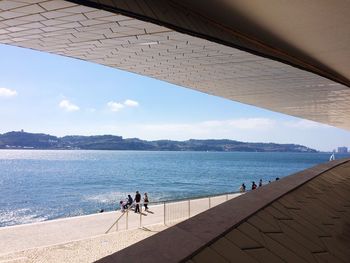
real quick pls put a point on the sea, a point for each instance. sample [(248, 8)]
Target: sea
[(39, 185)]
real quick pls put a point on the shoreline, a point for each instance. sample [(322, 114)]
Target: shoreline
[(75, 229), (158, 150), (151, 204)]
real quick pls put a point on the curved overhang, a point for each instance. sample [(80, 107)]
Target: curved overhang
[(310, 36), (289, 58)]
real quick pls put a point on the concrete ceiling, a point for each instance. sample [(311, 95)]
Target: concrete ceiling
[(315, 33), (212, 50)]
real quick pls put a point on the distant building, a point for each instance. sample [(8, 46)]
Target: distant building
[(342, 149)]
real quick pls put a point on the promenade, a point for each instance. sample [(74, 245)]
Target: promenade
[(83, 238)]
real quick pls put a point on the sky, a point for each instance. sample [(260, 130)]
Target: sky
[(46, 93)]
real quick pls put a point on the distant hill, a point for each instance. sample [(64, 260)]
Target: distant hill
[(24, 140)]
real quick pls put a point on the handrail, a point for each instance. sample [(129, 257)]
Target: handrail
[(169, 202), (120, 217)]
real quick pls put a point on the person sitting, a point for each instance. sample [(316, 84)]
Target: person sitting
[(242, 188), (254, 185), (123, 206)]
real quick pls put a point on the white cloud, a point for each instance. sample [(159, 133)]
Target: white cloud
[(7, 93), (305, 124), (115, 106), (68, 106), (131, 103)]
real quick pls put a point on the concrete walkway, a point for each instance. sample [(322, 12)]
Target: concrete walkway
[(61, 231)]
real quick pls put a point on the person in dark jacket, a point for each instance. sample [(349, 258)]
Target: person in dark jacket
[(137, 201), (130, 201)]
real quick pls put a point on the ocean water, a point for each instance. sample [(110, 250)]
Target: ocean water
[(40, 185)]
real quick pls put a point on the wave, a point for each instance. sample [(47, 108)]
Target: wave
[(20, 216), (107, 198)]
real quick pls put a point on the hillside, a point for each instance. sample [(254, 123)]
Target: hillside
[(24, 140)]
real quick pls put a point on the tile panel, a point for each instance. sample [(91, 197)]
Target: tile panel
[(118, 41), (301, 226)]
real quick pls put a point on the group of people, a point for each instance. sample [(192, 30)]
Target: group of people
[(129, 202), (242, 189)]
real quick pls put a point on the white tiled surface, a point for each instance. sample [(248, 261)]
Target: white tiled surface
[(64, 28)]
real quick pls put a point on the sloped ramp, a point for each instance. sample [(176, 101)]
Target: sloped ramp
[(304, 217)]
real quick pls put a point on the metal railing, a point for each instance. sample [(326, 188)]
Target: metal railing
[(175, 212), (168, 212), (118, 219)]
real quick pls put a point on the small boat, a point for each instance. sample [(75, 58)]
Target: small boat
[(332, 158)]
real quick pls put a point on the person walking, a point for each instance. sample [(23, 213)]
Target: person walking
[(137, 201), (260, 183), (145, 201)]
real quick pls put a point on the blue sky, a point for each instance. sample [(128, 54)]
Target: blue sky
[(41, 92)]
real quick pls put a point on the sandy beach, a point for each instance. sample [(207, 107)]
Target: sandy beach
[(85, 250), (88, 238)]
